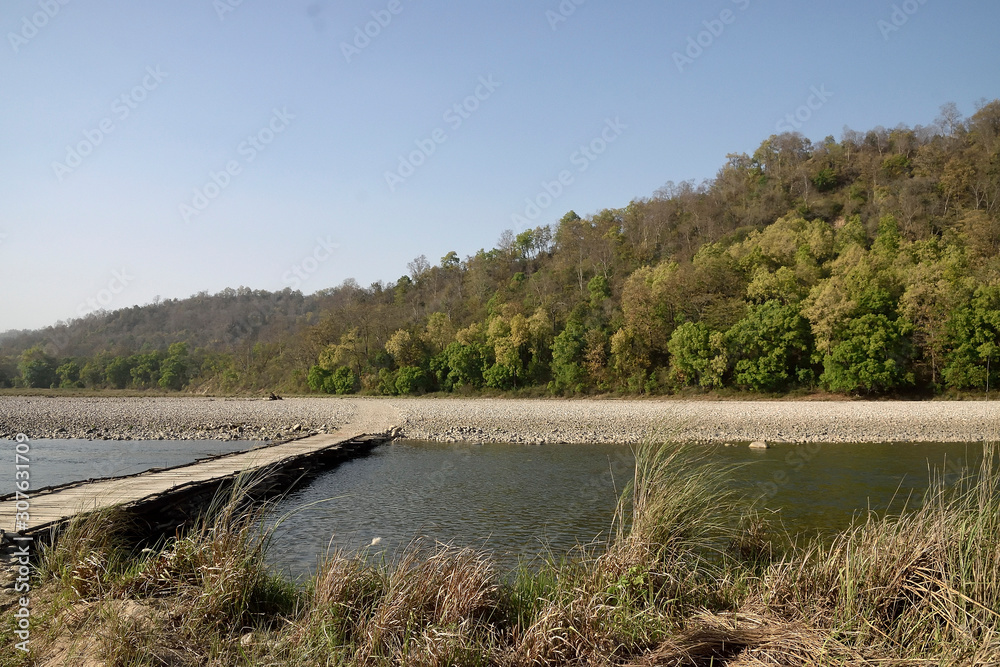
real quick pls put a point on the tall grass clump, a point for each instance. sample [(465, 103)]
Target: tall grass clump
[(675, 538), (192, 595), (218, 568), (436, 606), (925, 582), (89, 555), (680, 520)]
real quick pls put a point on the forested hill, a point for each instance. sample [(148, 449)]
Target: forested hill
[(867, 265)]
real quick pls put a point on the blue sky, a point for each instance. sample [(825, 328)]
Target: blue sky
[(161, 149)]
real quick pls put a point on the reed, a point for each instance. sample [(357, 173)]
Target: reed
[(924, 582)]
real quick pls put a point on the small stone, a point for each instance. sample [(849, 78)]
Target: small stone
[(759, 444)]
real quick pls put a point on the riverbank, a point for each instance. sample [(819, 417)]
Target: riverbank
[(691, 575), (533, 421)]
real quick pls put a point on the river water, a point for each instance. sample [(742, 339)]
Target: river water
[(55, 462), (518, 501)]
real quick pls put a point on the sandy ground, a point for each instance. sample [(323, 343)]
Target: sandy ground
[(502, 420)]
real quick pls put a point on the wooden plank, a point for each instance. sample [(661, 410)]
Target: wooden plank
[(58, 504)]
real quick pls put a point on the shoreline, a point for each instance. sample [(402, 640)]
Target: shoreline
[(479, 420)]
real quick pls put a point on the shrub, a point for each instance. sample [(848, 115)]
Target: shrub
[(411, 380), (340, 381)]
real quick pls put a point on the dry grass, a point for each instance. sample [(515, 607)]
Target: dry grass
[(745, 640), (924, 583), (432, 606)]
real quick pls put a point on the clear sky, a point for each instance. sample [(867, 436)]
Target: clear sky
[(165, 148)]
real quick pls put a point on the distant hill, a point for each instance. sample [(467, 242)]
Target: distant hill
[(216, 322)]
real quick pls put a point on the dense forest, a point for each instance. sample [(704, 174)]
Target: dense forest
[(867, 265)]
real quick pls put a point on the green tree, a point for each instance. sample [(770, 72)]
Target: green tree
[(411, 380), (69, 375), (317, 378), (567, 353), (974, 335), (145, 369), (92, 373), (773, 345), (461, 365), (343, 381), (118, 372), (338, 381), (500, 376), (37, 368), (174, 369), (872, 356), (699, 356), (600, 289)]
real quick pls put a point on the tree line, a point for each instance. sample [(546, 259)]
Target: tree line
[(867, 265)]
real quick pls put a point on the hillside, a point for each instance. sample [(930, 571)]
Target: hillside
[(866, 265)]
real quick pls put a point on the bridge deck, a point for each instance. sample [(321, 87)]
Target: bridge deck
[(53, 506)]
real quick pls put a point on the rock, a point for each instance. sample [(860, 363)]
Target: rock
[(759, 444)]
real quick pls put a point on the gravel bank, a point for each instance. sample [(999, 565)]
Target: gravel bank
[(577, 421), (502, 420), (186, 418)]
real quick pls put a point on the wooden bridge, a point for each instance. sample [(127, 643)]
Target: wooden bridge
[(168, 497)]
